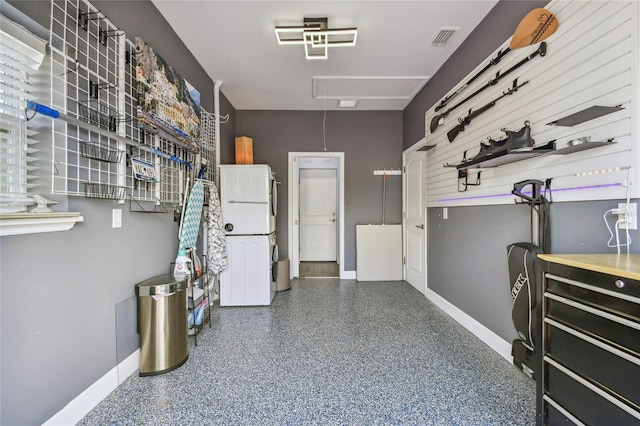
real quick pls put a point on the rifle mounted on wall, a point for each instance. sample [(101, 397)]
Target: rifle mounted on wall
[(438, 120), (535, 27), (463, 122)]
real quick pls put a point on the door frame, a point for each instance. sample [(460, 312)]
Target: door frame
[(294, 208), (413, 148)]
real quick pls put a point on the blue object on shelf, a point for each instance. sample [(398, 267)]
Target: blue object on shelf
[(41, 109)]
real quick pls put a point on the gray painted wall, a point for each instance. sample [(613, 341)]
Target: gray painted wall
[(370, 140), (61, 292), (67, 298), (466, 261), (227, 131)]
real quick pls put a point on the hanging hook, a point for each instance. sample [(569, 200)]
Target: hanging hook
[(85, 17), (221, 117), (73, 70), (103, 35)]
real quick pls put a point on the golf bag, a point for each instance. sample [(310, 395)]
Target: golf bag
[(523, 278)]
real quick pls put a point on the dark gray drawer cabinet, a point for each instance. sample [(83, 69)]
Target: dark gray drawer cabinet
[(589, 359)]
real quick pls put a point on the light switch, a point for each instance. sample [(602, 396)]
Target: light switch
[(116, 218), (445, 213)]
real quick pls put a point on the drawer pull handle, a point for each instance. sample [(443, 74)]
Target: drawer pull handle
[(619, 283)]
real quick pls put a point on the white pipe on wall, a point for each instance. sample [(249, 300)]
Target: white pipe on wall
[(216, 110)]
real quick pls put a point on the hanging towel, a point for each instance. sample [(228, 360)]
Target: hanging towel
[(216, 240)]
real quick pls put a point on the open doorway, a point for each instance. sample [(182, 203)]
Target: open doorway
[(316, 214)]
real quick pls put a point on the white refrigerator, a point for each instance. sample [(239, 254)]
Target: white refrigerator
[(248, 199)]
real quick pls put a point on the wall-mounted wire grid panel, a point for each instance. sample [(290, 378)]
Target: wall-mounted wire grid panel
[(172, 173), (87, 89), (208, 142), (97, 86), (139, 189), (208, 127)]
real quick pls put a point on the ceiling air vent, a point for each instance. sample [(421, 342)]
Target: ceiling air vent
[(443, 36)]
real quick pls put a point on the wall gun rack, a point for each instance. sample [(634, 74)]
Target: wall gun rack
[(583, 95)]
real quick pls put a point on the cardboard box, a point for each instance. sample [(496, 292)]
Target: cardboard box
[(244, 150)]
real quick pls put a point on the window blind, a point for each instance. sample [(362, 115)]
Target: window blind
[(21, 54)]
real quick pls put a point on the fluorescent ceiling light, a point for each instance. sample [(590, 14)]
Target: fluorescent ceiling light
[(316, 37), (347, 103)]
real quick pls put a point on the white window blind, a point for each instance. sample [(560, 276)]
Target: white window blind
[(21, 54)]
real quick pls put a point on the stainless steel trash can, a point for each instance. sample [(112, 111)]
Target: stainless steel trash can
[(162, 324)]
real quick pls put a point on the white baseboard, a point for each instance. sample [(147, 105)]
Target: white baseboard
[(75, 410), (348, 275), (495, 342), (128, 366)]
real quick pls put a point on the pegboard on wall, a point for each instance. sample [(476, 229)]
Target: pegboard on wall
[(590, 65), (99, 148)]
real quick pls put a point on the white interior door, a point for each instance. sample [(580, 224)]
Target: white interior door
[(318, 215), (415, 220)]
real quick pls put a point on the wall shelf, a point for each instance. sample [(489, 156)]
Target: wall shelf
[(501, 158), (33, 223), (582, 146), (584, 115)]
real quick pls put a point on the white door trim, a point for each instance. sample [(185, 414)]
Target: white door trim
[(294, 188), (416, 146)]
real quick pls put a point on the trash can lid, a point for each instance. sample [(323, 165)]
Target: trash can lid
[(162, 284)]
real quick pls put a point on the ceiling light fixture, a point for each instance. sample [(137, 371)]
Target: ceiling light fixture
[(316, 37), (347, 103)]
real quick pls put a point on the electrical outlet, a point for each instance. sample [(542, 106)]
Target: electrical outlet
[(631, 221), (116, 218)]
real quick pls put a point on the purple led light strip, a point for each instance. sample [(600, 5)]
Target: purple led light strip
[(574, 188)]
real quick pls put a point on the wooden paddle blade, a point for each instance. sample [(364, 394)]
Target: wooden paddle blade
[(537, 26)]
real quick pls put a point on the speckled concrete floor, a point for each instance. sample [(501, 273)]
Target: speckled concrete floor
[(330, 352)]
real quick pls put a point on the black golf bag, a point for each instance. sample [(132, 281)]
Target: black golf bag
[(523, 278)]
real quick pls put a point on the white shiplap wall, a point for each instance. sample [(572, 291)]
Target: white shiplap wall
[(592, 59)]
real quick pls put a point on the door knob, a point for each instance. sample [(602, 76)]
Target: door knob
[(420, 226), (332, 219)]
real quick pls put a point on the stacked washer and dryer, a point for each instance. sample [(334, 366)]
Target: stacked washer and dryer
[(248, 198)]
